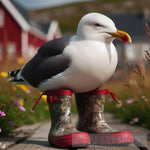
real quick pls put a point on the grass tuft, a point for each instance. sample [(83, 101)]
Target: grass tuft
[(17, 102)]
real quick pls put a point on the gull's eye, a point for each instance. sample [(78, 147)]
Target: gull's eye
[(97, 25)]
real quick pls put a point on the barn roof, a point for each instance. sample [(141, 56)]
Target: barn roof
[(25, 21), (15, 14), (44, 27), (22, 11)]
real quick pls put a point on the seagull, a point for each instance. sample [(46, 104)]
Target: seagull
[(81, 63)]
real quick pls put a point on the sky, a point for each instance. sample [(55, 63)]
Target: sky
[(37, 4)]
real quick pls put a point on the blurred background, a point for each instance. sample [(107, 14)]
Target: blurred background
[(37, 21), (27, 24)]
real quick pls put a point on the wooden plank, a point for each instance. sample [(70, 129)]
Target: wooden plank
[(20, 135), (132, 128), (130, 147), (38, 140), (148, 144)]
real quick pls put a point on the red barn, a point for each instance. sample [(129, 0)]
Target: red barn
[(20, 36)]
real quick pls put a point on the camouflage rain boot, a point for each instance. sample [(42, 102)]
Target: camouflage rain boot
[(62, 134), (91, 120)]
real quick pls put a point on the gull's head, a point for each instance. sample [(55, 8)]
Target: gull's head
[(98, 27)]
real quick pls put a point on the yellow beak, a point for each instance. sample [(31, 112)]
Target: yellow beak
[(121, 35)]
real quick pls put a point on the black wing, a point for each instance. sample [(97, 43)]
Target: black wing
[(47, 62)]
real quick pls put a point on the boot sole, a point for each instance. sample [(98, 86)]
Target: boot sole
[(78, 139), (116, 138)]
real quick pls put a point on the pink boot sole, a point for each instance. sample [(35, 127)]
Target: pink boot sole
[(116, 138), (78, 139)]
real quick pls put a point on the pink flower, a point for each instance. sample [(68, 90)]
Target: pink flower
[(135, 120), (22, 108), (2, 113), (11, 123), (0, 130), (110, 99), (129, 101), (16, 103)]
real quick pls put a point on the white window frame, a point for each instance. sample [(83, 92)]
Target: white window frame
[(11, 51), (32, 51), (131, 52)]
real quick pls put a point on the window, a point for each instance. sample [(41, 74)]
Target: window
[(1, 18), (11, 51), (32, 51), (131, 52)]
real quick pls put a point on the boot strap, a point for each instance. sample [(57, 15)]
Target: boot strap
[(52, 96), (104, 92)]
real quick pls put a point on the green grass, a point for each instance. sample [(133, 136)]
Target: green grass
[(136, 89), (10, 93)]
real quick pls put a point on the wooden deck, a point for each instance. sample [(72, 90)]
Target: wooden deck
[(34, 137)]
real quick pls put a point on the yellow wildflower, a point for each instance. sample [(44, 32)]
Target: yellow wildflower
[(44, 97), (20, 60), (21, 102), (3, 74), (46, 107), (23, 87)]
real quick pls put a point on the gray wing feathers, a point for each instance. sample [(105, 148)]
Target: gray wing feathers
[(48, 62), (54, 47), (40, 69)]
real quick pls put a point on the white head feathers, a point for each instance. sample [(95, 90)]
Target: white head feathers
[(95, 26)]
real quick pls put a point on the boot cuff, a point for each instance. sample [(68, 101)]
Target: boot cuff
[(58, 92)]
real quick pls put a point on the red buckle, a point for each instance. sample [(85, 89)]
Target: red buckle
[(53, 97)]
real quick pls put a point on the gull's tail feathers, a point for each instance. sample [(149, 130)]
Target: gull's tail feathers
[(12, 73), (16, 77)]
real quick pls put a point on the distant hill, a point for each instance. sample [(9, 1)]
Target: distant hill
[(68, 16)]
